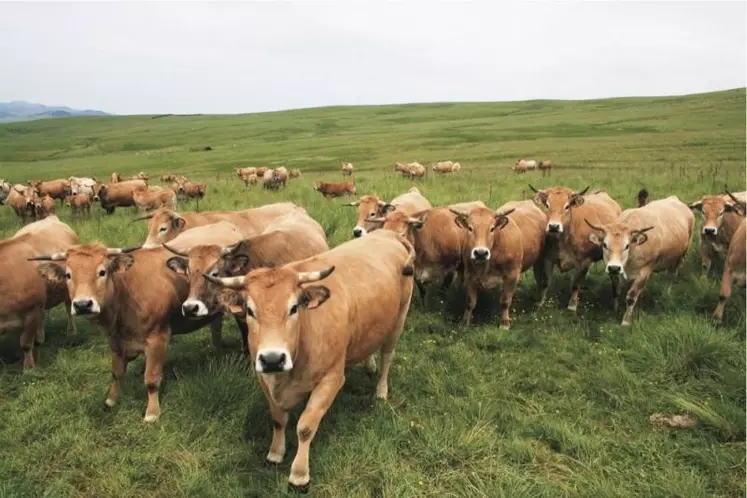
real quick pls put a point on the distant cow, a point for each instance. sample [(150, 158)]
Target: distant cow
[(261, 171), (140, 176), (371, 210), (57, 189), (250, 179), (115, 178), (192, 191), (241, 172), (151, 198), (21, 200), (295, 173), (720, 222), (545, 166), (119, 194), (332, 190), (4, 191), (44, 206), (346, 168), (735, 266), (79, 204), (642, 241), (81, 185), (308, 320), (411, 170), (642, 198), (446, 167)]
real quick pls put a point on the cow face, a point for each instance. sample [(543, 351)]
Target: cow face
[(164, 225), (480, 224), (367, 207), (617, 241), (274, 298), (557, 202), (714, 208)]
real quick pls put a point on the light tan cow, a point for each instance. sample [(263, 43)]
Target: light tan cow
[(411, 170), (115, 178), (4, 191), (347, 168), (241, 172), (370, 209), (250, 179), (192, 190), (642, 241), (140, 176), (281, 175), (735, 266), (567, 244), (30, 287), (524, 165), (119, 194), (21, 200), (720, 223), (291, 237), (79, 204), (307, 320), (44, 206), (81, 185), (151, 198), (446, 167), (501, 245), (545, 166), (165, 224), (295, 173)]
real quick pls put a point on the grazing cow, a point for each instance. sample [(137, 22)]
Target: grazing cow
[(165, 224), (524, 165), (119, 194), (44, 206), (79, 204), (250, 179), (371, 210), (303, 334), (115, 178), (191, 190), (499, 249), (642, 241), (281, 175), (294, 173), (241, 172), (4, 191), (346, 168), (57, 189), (291, 237), (140, 176), (545, 166), (261, 171), (411, 170), (33, 287), (21, 200), (735, 266), (568, 245), (81, 185), (446, 167), (151, 198), (720, 223), (332, 190)]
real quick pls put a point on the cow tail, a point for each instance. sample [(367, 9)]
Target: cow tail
[(642, 197), (408, 269)]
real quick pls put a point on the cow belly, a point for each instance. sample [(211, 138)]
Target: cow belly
[(10, 322)]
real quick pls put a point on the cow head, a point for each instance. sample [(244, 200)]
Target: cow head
[(616, 241), (274, 298), (713, 208), (164, 225), (480, 224), (399, 222), (557, 202), (367, 207), (88, 273)]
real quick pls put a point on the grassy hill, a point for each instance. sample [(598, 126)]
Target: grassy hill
[(557, 406)]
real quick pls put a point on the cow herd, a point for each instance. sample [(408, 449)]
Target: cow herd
[(305, 311)]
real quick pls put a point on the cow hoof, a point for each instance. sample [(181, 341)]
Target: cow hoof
[(299, 488), (109, 404), (150, 418), (504, 327), (572, 307), (626, 323)]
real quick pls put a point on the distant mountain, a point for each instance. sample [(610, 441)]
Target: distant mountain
[(20, 110)]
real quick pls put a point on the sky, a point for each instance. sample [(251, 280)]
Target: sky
[(231, 57)]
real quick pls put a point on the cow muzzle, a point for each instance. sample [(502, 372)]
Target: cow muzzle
[(273, 361), (193, 308), (614, 269), (85, 306), (359, 232), (710, 230), (480, 254), (554, 228)]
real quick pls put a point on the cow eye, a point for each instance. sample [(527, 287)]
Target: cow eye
[(68, 276), (469, 227), (293, 310), (162, 229), (373, 213), (627, 246), (214, 273), (249, 312), (604, 244), (102, 273)]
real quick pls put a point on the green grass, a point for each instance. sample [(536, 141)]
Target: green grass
[(556, 406)]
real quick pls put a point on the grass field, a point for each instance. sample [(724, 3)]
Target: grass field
[(557, 406)]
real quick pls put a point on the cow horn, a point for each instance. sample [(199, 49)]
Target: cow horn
[(229, 282), (354, 203), (582, 192), (145, 216), (175, 251), (593, 227), (460, 214), (533, 189), (313, 276), (374, 219), (57, 256), (230, 249), (738, 201), (505, 213), (643, 230), (111, 251)]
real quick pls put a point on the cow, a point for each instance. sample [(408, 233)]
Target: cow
[(371, 210), (57, 189), (165, 224), (294, 173), (642, 241), (272, 181), (411, 170), (291, 237), (309, 319), (82, 185), (642, 198), (119, 194), (332, 190), (140, 176), (735, 266), (33, 287), (346, 168), (250, 179), (44, 206), (79, 204), (115, 178), (545, 166), (720, 222), (499, 249), (524, 165), (241, 172), (151, 198), (567, 244), (4, 191), (191, 190), (21, 200), (261, 170), (446, 167), (281, 175)]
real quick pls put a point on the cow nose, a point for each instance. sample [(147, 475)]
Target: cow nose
[(553, 227), (709, 231), (83, 306), (189, 309), (480, 253), (357, 232), (272, 361), (613, 269)]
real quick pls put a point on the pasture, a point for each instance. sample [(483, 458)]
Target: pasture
[(558, 405)]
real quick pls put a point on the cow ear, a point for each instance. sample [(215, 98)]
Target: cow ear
[(238, 264), (461, 222), (51, 273), (577, 200), (232, 302), (387, 208), (314, 296), (500, 222), (639, 238), (178, 223), (697, 205), (595, 239), (178, 265), (120, 262)]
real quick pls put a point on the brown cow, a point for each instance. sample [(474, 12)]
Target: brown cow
[(346, 168), (332, 190), (44, 206), (151, 198), (25, 295), (303, 334), (291, 237), (241, 172), (295, 173), (165, 224), (545, 166), (567, 244), (370, 209), (642, 241), (21, 200), (261, 170), (191, 190), (79, 204), (735, 266), (499, 249), (119, 194), (250, 179), (57, 189), (446, 167), (720, 223)]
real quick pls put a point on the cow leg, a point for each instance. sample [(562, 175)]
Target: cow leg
[(576, 280), (279, 421), (727, 282), (471, 303), (705, 256), (155, 357), (507, 297), (72, 328), (370, 365), (421, 290), (33, 324), (119, 367), (244, 333), (387, 354), (319, 402), (543, 276), (615, 282), (633, 294), (216, 331)]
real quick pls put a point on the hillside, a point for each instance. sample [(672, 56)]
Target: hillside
[(19, 110)]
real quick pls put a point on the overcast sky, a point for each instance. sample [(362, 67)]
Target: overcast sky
[(131, 58)]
